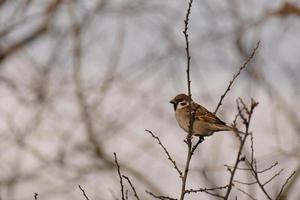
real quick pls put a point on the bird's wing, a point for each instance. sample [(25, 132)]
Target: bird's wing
[(202, 114)]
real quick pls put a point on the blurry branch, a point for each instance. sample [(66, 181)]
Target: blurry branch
[(239, 158), (2, 2), (36, 196), (11, 27), (83, 193), (109, 76), (236, 75), (167, 153), (84, 107), (34, 35), (81, 98)]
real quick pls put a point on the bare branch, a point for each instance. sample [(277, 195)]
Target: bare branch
[(159, 197), (166, 151), (285, 183), (267, 169), (235, 76), (120, 176), (245, 183), (132, 187), (247, 194), (239, 157), (206, 189), (83, 192), (274, 176), (191, 117)]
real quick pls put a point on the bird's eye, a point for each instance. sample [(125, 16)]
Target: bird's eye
[(183, 103)]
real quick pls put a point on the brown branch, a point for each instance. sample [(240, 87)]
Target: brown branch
[(247, 194), (239, 168), (189, 136), (35, 34), (83, 192), (207, 190), (188, 60), (36, 196), (267, 169), (255, 175), (159, 197), (166, 151), (126, 194), (274, 176), (239, 157), (132, 187), (245, 183), (285, 183), (120, 176), (235, 76)]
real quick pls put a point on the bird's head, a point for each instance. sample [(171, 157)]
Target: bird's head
[(180, 101)]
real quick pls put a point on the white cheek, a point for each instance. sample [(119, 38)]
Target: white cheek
[(181, 105)]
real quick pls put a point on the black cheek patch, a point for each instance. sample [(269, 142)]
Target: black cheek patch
[(175, 106)]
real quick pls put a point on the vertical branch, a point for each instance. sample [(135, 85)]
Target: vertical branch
[(188, 60), (189, 136), (239, 157), (120, 176)]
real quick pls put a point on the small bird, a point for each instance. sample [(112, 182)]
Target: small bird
[(205, 123)]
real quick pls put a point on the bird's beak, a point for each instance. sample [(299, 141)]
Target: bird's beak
[(172, 101)]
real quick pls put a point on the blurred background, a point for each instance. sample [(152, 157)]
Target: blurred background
[(80, 80)]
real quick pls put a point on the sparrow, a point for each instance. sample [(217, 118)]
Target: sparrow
[(205, 123)]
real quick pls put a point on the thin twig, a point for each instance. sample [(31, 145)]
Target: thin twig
[(83, 192), (132, 187), (246, 193), (274, 176), (255, 175), (252, 149), (239, 158), (206, 189), (245, 183), (235, 76), (214, 194), (120, 176), (200, 140), (166, 151), (267, 169), (239, 168), (159, 197), (285, 183), (126, 194)]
